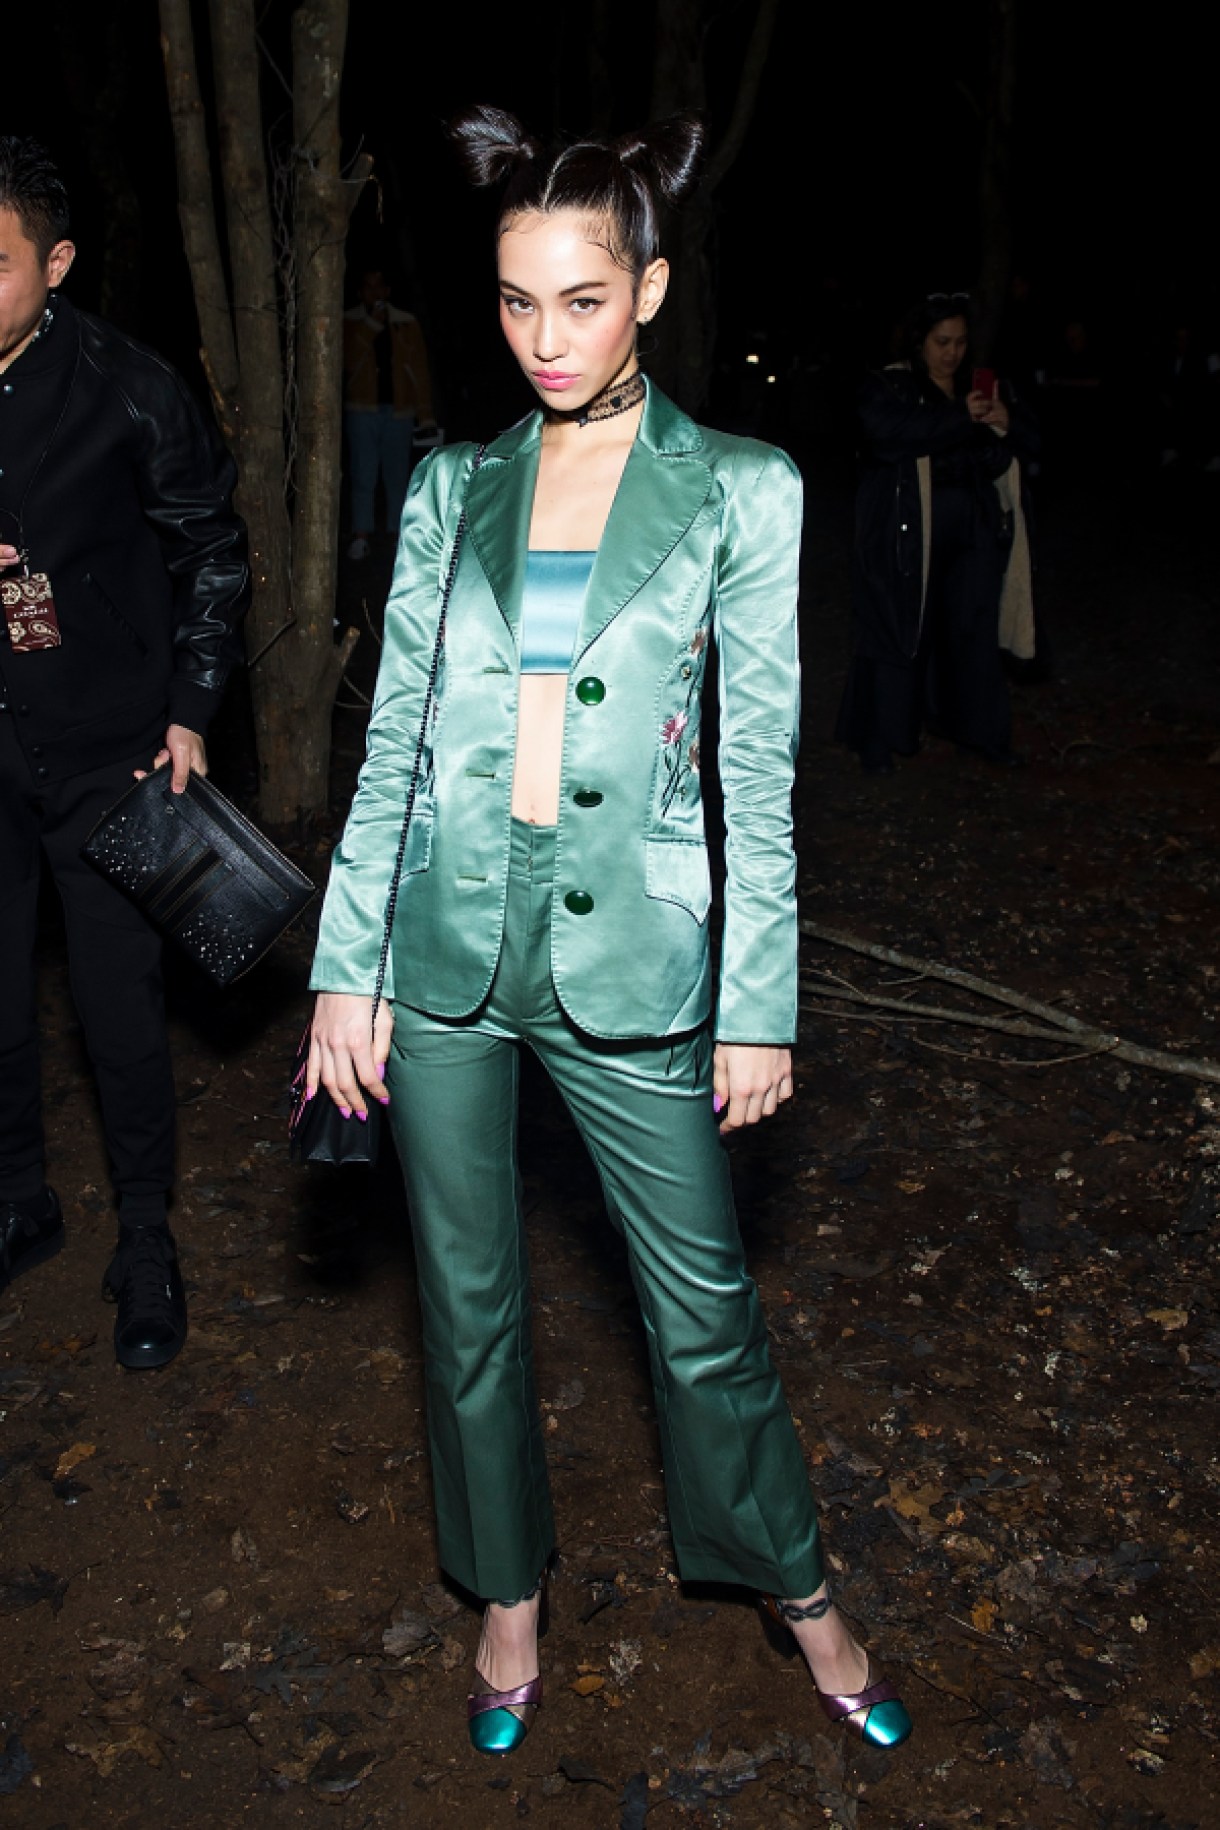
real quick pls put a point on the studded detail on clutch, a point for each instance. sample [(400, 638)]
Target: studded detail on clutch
[(200, 871)]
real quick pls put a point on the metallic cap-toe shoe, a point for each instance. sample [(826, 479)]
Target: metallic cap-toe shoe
[(877, 1713), (495, 1727)]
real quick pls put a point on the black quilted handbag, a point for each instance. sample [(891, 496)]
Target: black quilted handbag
[(199, 870)]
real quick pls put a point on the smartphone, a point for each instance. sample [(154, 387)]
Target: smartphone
[(985, 382)]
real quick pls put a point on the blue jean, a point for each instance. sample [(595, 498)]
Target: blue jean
[(377, 441), (739, 1499)]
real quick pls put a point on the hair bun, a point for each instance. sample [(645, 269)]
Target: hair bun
[(667, 154), (491, 144)]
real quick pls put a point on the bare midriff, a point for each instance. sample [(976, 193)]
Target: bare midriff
[(540, 711), (579, 470)]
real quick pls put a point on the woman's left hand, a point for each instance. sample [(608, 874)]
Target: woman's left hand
[(750, 1080)]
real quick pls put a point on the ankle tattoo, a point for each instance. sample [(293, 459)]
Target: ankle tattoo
[(813, 1610)]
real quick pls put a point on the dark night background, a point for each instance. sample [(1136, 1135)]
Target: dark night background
[(857, 186)]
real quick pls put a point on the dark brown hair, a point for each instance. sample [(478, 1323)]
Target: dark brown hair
[(624, 183), (933, 309)]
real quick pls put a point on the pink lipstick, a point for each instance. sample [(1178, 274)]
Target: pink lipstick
[(554, 380)]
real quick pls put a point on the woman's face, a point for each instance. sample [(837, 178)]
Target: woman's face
[(568, 310), (944, 347)]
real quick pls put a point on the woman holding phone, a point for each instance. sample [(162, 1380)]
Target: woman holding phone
[(556, 894), (941, 577)]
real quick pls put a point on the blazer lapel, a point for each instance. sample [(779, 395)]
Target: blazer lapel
[(499, 503), (665, 483)]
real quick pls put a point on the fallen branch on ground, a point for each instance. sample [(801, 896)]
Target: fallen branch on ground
[(1053, 1024)]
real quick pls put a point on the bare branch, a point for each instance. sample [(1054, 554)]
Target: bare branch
[(936, 1013), (344, 652), (351, 686), (371, 626), (1020, 1061), (1092, 1038), (269, 644)]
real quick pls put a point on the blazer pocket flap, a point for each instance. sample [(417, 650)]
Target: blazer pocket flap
[(418, 853), (677, 870)]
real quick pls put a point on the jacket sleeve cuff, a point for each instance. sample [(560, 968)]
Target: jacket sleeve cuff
[(192, 705)]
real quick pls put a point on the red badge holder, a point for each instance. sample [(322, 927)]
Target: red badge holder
[(29, 611)]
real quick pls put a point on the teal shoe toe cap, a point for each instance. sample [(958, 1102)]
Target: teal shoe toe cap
[(887, 1725), (497, 1731)]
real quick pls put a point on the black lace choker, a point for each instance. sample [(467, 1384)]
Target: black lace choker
[(617, 397)]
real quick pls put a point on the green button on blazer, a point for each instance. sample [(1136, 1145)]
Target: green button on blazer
[(703, 539)]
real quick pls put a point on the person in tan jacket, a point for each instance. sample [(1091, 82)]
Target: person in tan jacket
[(387, 398)]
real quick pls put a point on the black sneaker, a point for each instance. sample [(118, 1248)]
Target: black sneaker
[(144, 1280), (30, 1233)]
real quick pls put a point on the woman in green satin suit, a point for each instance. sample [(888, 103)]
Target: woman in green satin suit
[(555, 892)]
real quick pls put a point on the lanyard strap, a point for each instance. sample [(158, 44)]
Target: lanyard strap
[(19, 515)]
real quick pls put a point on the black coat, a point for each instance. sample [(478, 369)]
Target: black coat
[(131, 516), (903, 417)]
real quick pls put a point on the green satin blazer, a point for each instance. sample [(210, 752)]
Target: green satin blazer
[(703, 538)]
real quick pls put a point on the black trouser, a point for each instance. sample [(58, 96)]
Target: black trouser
[(959, 666), (955, 681), (114, 961)]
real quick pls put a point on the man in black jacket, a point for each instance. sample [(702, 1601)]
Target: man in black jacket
[(117, 492)]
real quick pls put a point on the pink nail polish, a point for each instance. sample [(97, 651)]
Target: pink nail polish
[(310, 1092), (381, 1071), (346, 1111), (363, 1117), (718, 1104)]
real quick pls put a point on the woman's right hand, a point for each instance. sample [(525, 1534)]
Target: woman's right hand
[(346, 1056)]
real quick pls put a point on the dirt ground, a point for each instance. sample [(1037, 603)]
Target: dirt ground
[(992, 1295)]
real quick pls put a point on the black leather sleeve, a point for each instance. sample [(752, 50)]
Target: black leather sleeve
[(186, 480)]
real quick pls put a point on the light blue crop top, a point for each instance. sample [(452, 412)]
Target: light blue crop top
[(555, 585)]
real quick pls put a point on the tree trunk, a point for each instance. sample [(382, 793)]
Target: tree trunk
[(261, 449), (323, 203), (197, 214), (995, 173), (687, 329), (272, 336)]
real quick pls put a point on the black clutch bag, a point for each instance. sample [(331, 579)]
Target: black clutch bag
[(317, 1129), (200, 871)]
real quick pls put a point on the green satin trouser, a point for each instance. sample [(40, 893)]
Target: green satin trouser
[(739, 1501)]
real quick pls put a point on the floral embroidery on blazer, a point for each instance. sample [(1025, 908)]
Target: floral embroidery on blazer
[(680, 733)]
